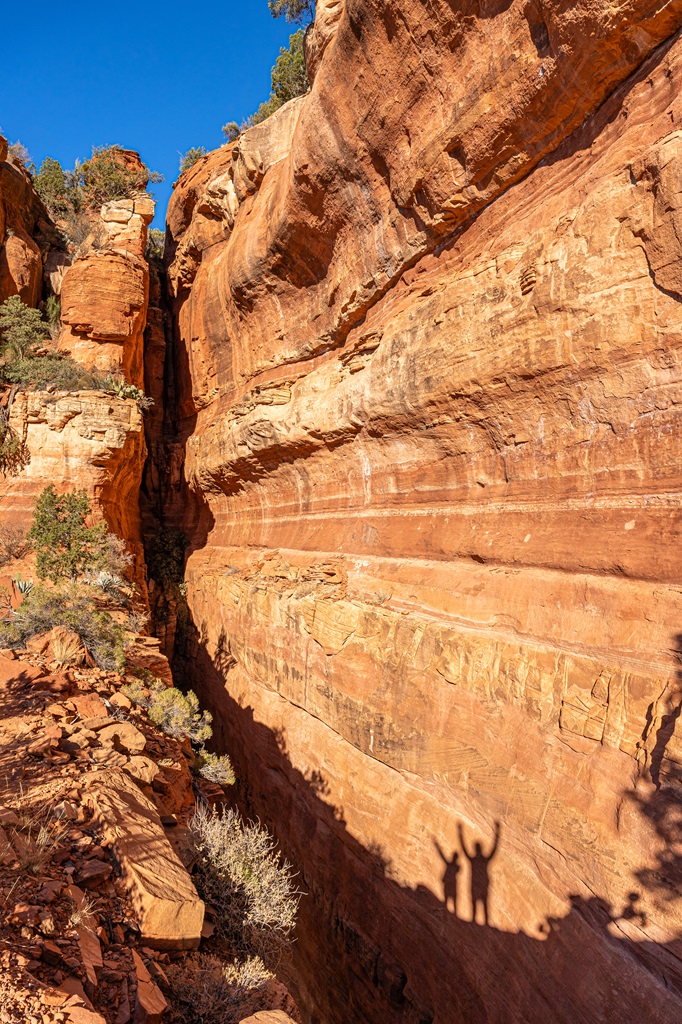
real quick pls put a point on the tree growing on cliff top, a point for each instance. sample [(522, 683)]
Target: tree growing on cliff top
[(108, 174), (293, 10), (191, 157), (289, 79)]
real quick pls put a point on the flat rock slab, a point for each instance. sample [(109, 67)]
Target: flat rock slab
[(268, 1017), (169, 912), (122, 735)]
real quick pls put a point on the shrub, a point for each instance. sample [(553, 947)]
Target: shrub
[(244, 879), (166, 558), (69, 195), (52, 186), (66, 547), (214, 768), (191, 157), (67, 649), (37, 840), (13, 543), (14, 454), (156, 243), (289, 79), (21, 326), (178, 715), (105, 177), (74, 608), (203, 990), (61, 373), (18, 151), (53, 313), (293, 10), (231, 131)]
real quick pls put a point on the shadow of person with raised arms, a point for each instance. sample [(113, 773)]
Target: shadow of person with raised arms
[(480, 877), (452, 869)]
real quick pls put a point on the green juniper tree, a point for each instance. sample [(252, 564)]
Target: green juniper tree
[(66, 547), (21, 327), (191, 157), (293, 10)]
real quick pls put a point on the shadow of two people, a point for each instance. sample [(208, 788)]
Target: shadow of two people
[(479, 869)]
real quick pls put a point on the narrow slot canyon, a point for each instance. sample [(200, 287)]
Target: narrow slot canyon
[(414, 348)]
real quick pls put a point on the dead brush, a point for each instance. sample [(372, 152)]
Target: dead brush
[(251, 888), (204, 990)]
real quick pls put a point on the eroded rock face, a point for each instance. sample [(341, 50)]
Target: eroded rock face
[(22, 217), (88, 440), (105, 293), (435, 529)]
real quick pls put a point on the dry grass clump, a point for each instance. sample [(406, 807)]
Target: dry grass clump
[(36, 839), (80, 913), (203, 990), (243, 877), (66, 648)]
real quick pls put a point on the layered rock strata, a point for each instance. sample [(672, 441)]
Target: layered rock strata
[(431, 442), (87, 439), (105, 293)]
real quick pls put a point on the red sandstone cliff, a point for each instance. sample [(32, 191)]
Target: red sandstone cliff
[(84, 439), (427, 327), (24, 223)]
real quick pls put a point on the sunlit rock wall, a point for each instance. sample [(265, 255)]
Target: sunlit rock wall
[(427, 340)]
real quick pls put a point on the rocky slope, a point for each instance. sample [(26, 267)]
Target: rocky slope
[(426, 377)]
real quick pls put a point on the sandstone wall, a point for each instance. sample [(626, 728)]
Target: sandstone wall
[(432, 464), (24, 221), (105, 293), (87, 439)]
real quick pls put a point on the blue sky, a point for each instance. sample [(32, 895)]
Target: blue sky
[(157, 78)]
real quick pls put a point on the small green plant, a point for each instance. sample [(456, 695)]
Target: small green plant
[(66, 547), (122, 389), (243, 878), (21, 327), (214, 768), (73, 607), (191, 157)]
